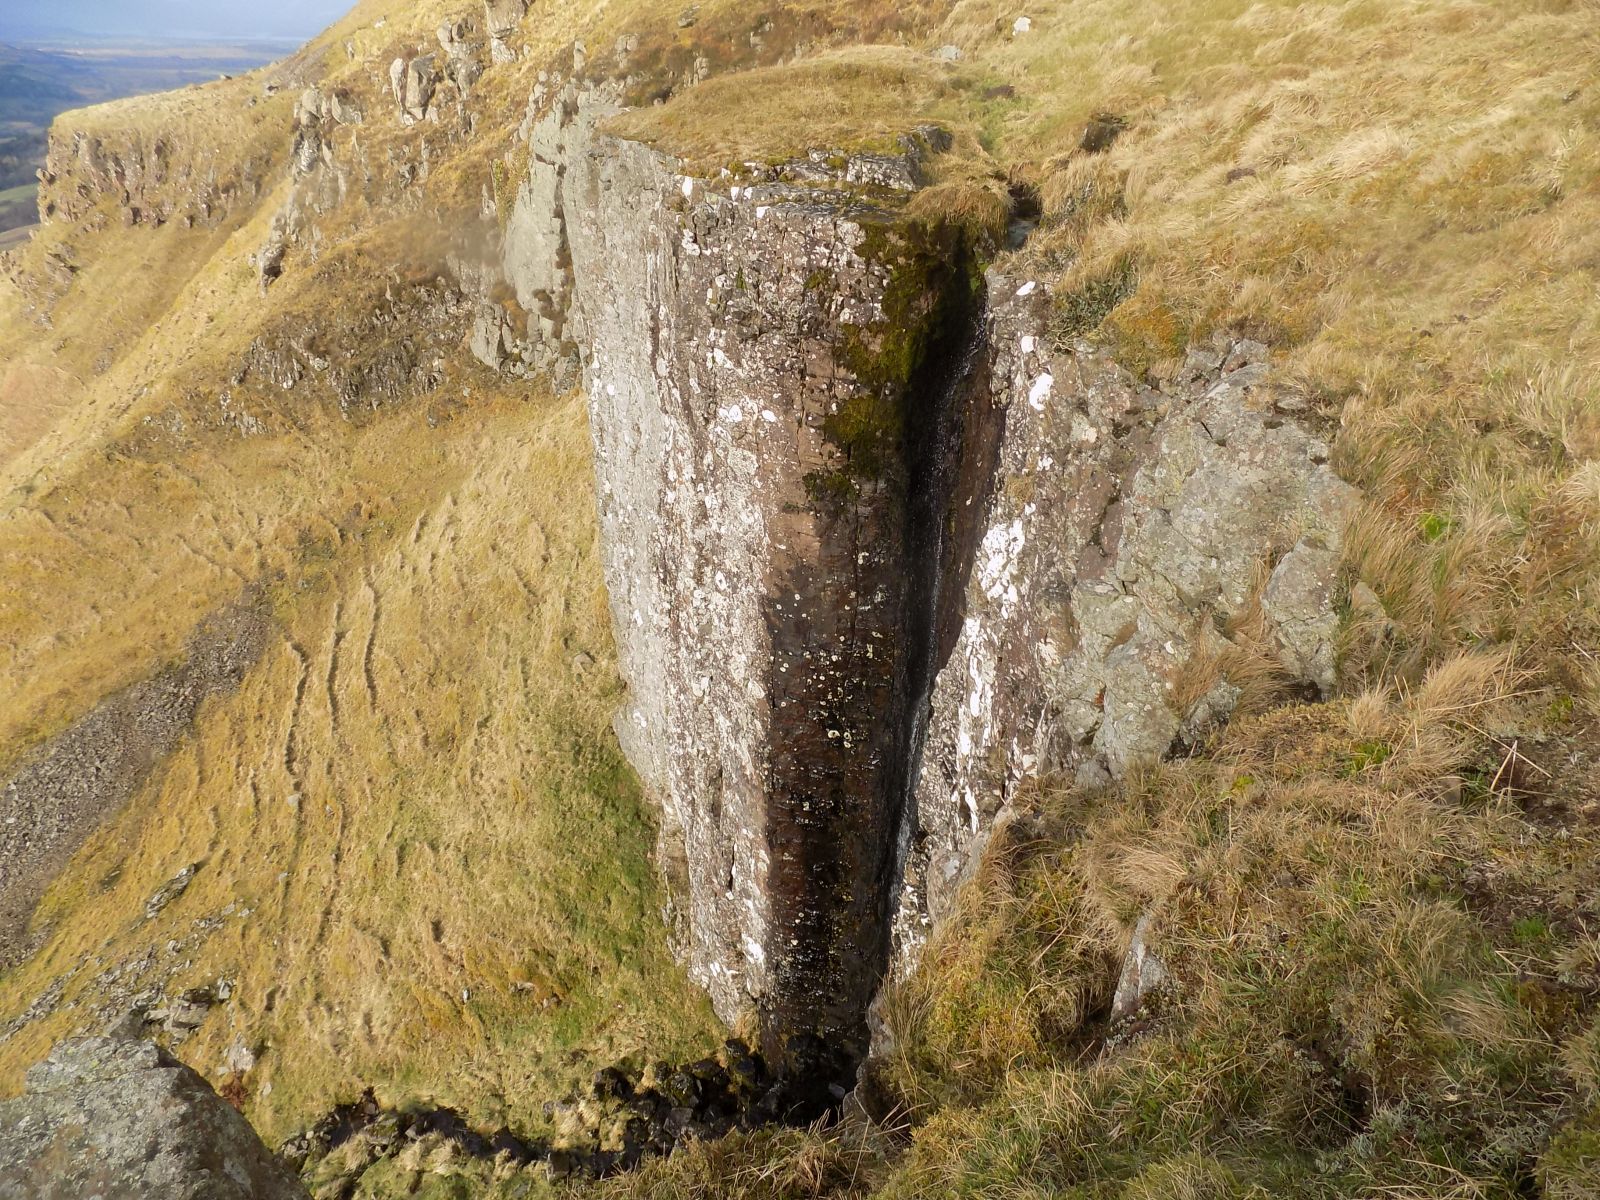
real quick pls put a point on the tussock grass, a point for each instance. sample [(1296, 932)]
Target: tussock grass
[(1378, 987)]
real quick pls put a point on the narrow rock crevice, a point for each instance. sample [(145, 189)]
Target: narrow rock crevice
[(879, 549), (873, 606)]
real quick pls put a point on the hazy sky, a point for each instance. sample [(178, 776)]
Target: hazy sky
[(173, 18)]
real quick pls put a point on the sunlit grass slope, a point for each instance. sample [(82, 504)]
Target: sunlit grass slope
[(430, 863), (423, 864), (1384, 954)]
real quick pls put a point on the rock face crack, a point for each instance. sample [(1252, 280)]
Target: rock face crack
[(778, 442), (878, 552)]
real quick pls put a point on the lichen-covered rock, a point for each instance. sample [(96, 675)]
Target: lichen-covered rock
[(875, 561), (490, 337), (412, 80), (1147, 555), (502, 18), (463, 53), (1143, 974), (113, 1118), (767, 404)]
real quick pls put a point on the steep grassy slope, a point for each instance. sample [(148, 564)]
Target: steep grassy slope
[(424, 865)]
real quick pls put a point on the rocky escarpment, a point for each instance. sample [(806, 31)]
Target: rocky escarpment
[(769, 368), (150, 179), (107, 1117), (879, 552)]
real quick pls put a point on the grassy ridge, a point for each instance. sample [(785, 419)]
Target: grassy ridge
[(430, 864)]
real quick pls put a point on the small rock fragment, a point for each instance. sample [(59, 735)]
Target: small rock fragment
[(1142, 974), (170, 891)]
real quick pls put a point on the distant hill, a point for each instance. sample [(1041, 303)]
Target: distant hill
[(38, 81), (193, 20)]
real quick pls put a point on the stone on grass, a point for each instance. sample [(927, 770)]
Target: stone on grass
[(1142, 974), (118, 1118)]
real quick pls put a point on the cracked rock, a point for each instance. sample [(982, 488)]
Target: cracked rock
[(1142, 974)]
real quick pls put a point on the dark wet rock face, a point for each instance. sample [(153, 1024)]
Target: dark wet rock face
[(124, 1119)]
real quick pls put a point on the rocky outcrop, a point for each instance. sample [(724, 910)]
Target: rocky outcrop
[(148, 179), (412, 80), (1149, 556), (768, 369), (105, 1117), (463, 53), (503, 18), (878, 552)]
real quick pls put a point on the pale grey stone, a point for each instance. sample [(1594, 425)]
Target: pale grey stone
[(170, 891), (1143, 974), (502, 19), (1299, 600), (115, 1118), (1134, 526)]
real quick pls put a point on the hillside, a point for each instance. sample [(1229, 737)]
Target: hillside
[(37, 83), (538, 534)]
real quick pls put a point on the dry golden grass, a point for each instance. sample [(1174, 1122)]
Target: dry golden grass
[(863, 97), (1398, 196), (416, 799), (32, 399)]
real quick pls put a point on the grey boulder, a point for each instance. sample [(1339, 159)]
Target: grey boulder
[(115, 1118)]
